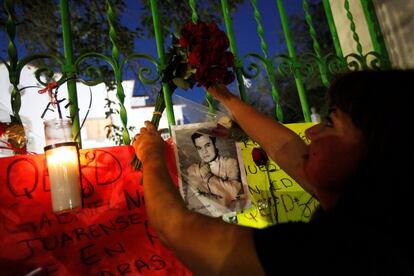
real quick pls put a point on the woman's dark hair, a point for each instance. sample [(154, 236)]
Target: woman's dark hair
[(380, 105), (377, 101)]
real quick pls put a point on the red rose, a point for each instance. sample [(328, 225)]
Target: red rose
[(220, 131), (201, 28), (183, 42), (227, 78), (220, 58), (259, 156), (213, 28), (213, 57), (190, 27), (199, 55), (193, 59), (206, 47), (187, 35), (229, 59), (220, 42), (212, 75), (199, 75)]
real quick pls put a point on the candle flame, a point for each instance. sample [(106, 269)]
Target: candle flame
[(62, 155)]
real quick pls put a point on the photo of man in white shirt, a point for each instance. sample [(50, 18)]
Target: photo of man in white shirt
[(211, 183)]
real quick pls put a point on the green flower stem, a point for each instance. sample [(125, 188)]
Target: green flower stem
[(159, 40), (156, 117), (14, 73)]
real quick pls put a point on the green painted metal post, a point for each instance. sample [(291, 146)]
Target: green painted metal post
[(233, 48), (316, 47), (352, 26), (69, 69), (269, 66), (194, 19), (14, 73), (375, 32), (161, 54), (292, 54), (332, 28), (113, 37), (194, 16)]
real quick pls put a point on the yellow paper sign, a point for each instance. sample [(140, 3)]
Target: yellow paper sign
[(275, 196)]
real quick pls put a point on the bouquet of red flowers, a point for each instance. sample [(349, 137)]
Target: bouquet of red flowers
[(199, 56), (206, 51)]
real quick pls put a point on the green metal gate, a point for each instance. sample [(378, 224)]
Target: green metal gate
[(292, 63)]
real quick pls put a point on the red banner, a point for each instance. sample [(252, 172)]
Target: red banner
[(109, 236)]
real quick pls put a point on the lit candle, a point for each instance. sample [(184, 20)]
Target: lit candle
[(64, 175)]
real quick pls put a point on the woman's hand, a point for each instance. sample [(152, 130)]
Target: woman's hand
[(220, 92), (148, 144)]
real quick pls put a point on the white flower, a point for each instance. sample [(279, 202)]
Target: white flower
[(247, 82), (225, 121)]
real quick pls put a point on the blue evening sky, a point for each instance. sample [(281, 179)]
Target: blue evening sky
[(245, 31)]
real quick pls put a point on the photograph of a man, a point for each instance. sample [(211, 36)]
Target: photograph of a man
[(211, 179), (215, 175)]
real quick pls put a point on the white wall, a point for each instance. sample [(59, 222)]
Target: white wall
[(343, 28), (396, 18)]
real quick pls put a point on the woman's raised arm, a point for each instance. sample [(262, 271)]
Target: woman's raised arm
[(284, 146)]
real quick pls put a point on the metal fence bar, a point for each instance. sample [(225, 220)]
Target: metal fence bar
[(161, 54), (69, 70), (375, 32), (14, 72), (233, 47), (332, 28), (292, 54), (316, 46), (113, 37), (269, 66), (352, 26), (194, 19), (194, 16)]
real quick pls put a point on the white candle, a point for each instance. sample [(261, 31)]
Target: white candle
[(65, 185)]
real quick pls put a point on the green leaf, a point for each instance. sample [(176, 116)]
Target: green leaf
[(181, 83), (191, 71)]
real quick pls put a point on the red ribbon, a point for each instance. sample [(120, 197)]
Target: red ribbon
[(13, 148), (49, 88), (3, 127)]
